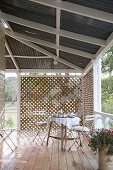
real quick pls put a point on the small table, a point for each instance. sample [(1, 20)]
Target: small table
[(64, 123)]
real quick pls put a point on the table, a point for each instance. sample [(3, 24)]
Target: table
[(64, 123)]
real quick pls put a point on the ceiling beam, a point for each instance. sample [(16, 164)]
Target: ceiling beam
[(16, 56), (36, 47), (11, 55), (78, 9), (52, 45), (52, 30), (43, 70)]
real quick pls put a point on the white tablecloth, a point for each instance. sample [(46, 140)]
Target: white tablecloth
[(69, 122)]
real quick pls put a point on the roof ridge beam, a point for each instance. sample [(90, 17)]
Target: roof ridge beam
[(78, 9), (52, 30), (36, 47), (52, 45)]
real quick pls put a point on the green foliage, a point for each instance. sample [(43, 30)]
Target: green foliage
[(107, 62), (34, 74), (107, 83), (102, 139), (107, 95), (9, 122), (10, 89)]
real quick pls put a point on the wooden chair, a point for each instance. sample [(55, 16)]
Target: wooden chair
[(85, 129)]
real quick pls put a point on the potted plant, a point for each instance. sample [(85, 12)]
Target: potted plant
[(102, 141)]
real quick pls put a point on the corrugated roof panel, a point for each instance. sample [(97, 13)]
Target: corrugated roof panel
[(6, 52), (75, 59), (48, 49), (32, 63), (86, 26), (9, 63), (103, 5), (90, 48), (33, 32), (21, 49), (30, 11)]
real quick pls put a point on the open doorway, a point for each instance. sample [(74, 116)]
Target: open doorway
[(11, 100)]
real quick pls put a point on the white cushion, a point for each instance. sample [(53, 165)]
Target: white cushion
[(41, 123), (81, 128)]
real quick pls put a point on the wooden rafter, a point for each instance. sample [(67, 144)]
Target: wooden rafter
[(52, 30), (78, 9)]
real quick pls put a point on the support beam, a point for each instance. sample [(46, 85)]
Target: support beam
[(52, 30), (49, 71), (11, 55), (11, 71), (97, 90), (58, 11), (47, 53), (42, 71), (78, 9), (52, 45), (18, 100), (16, 56), (88, 67), (2, 77)]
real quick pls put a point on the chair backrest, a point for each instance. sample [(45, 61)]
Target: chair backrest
[(89, 121)]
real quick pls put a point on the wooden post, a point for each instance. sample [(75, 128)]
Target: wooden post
[(97, 90), (18, 100), (2, 76), (106, 122)]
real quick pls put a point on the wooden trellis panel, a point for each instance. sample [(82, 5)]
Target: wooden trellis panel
[(49, 94)]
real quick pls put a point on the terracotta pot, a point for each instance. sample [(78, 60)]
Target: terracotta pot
[(105, 161)]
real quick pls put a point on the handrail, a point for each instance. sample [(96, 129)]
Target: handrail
[(104, 114), (108, 118)]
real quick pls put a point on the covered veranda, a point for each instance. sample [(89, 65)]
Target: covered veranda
[(64, 41)]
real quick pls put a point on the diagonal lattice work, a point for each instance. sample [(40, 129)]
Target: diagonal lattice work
[(49, 94)]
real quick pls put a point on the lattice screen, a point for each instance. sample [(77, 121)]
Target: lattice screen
[(49, 94)]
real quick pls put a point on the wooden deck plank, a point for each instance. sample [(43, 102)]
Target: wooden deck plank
[(12, 159), (34, 156), (54, 160), (24, 159), (77, 162), (92, 161), (39, 159), (62, 159), (30, 163), (48, 157)]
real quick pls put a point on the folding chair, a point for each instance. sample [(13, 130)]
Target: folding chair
[(40, 125), (86, 129), (4, 135)]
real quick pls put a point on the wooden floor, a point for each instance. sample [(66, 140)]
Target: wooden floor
[(31, 155)]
